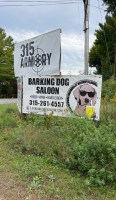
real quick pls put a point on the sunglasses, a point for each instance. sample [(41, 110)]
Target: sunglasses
[(90, 94)]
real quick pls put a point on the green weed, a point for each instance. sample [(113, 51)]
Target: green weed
[(36, 182), (77, 144), (8, 121)]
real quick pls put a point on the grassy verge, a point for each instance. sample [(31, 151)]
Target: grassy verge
[(42, 154)]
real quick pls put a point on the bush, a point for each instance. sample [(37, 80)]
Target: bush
[(95, 156), (78, 144), (109, 88), (8, 121)]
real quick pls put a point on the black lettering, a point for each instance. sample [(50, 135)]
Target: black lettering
[(37, 81), (26, 49), (62, 81), (49, 90), (58, 81), (31, 48), (25, 62), (52, 81), (67, 82), (21, 62), (30, 81), (43, 59), (23, 50), (38, 90), (31, 61), (42, 80), (49, 57), (48, 81)]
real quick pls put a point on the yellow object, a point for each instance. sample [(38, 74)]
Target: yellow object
[(90, 110)]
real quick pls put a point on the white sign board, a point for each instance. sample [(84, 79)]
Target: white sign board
[(63, 95), (40, 55), (19, 93)]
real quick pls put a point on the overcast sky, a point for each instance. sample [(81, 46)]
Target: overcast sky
[(24, 22)]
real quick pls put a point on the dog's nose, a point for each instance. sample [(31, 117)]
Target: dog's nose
[(86, 100)]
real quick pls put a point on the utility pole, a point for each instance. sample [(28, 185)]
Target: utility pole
[(86, 30)]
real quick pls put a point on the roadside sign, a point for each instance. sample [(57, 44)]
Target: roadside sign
[(40, 55), (63, 95)]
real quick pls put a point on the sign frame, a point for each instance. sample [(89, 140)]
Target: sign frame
[(61, 95), (40, 55)]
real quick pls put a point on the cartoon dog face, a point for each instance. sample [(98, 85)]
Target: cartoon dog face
[(85, 95)]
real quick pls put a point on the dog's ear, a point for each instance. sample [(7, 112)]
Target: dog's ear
[(94, 99), (76, 94)]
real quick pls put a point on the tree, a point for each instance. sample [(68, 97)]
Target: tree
[(102, 53), (111, 6), (7, 79), (112, 9)]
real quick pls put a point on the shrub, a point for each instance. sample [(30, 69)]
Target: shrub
[(109, 88), (10, 110), (74, 143), (95, 156), (8, 121)]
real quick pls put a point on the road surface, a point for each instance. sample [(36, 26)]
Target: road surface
[(7, 101)]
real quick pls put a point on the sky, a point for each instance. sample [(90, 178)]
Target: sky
[(25, 22)]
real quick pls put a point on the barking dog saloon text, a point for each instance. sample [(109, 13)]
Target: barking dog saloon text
[(48, 82)]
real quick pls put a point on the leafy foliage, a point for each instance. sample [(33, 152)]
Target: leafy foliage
[(103, 51), (109, 88), (77, 144), (7, 79), (111, 6), (94, 155)]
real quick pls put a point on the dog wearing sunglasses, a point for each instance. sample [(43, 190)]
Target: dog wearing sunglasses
[(85, 95)]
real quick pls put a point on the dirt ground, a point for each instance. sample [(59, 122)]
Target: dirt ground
[(14, 190), (11, 190)]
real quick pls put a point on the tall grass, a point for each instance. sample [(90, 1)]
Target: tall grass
[(77, 144), (108, 107)]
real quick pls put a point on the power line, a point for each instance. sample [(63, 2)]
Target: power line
[(45, 3), (36, 5), (42, 4)]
